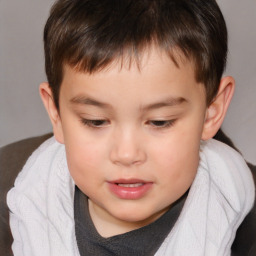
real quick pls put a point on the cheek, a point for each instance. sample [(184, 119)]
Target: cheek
[(83, 160), (83, 151), (178, 157)]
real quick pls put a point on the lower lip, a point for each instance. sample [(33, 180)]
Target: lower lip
[(131, 193)]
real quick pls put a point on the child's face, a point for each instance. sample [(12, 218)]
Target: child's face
[(132, 137)]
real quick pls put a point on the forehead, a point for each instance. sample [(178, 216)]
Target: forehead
[(152, 72)]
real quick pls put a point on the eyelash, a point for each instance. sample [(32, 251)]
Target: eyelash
[(97, 123), (161, 124), (157, 124)]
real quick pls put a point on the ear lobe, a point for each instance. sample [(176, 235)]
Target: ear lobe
[(216, 112), (47, 98)]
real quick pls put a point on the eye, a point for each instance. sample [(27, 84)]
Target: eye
[(161, 123), (97, 123)]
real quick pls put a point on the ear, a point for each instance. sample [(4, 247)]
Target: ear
[(47, 98), (216, 112)]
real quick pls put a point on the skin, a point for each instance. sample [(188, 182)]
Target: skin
[(134, 124)]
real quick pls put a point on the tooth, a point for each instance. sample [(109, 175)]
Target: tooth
[(133, 185)]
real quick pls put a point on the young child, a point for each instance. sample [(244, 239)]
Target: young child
[(135, 93)]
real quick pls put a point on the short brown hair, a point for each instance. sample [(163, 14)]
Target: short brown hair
[(91, 34)]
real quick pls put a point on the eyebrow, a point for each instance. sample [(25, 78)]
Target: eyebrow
[(83, 100), (168, 102)]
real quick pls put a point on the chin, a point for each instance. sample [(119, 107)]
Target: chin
[(138, 216)]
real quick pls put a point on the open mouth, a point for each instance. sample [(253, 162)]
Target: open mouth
[(132, 185), (130, 189)]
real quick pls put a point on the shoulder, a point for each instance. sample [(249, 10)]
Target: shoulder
[(245, 241), (229, 170), (42, 193), (14, 156), (12, 159), (39, 167)]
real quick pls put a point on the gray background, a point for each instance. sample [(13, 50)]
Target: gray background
[(22, 70)]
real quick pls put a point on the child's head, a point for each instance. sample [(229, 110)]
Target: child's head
[(133, 88)]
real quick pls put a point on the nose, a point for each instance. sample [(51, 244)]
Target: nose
[(127, 149)]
